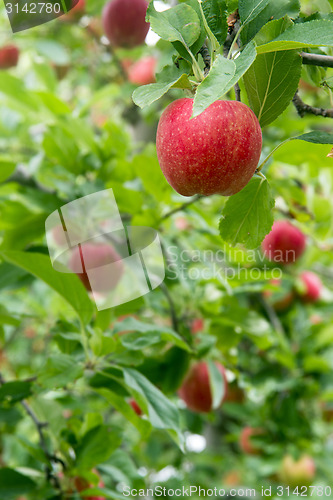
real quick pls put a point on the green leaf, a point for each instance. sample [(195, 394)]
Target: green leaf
[(121, 405), (96, 446), (67, 285), (15, 391), (162, 413), (7, 167), (274, 10), (200, 41), (272, 80), (216, 383), (59, 370), (180, 23), (299, 36), (13, 483), (215, 14), (223, 75), (247, 216), (153, 335), (210, 88), (249, 9), (316, 137), (147, 94)]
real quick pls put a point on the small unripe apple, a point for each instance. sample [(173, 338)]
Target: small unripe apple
[(281, 299), (215, 153), (284, 244), (245, 442), (196, 389), (135, 407), (125, 23), (142, 72), (9, 56), (312, 286), (93, 256), (297, 472)]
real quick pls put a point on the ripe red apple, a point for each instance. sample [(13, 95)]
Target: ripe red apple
[(135, 407), (245, 440), (142, 72), (215, 153), (92, 256), (196, 389), (280, 299), (125, 23), (312, 286), (297, 472), (197, 325), (9, 56), (284, 244)]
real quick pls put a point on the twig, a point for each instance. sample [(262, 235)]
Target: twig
[(173, 313), (317, 60), (42, 441), (206, 58), (181, 207), (303, 108), (238, 92)]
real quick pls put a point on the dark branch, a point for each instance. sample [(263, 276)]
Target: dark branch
[(206, 58), (303, 108), (317, 60), (237, 92)]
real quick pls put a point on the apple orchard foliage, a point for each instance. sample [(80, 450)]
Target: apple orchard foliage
[(111, 387)]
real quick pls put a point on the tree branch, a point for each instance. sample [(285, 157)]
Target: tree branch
[(181, 207), (206, 58), (317, 60), (237, 92), (303, 108)]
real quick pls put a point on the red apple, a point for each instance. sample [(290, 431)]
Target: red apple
[(92, 256), (245, 440), (215, 153), (197, 325), (297, 472), (135, 407), (142, 72), (312, 286), (196, 389), (125, 23), (9, 56), (284, 244), (281, 299)]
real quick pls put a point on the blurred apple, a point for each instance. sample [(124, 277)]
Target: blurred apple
[(142, 72), (245, 442), (297, 472), (312, 286), (284, 244), (9, 56), (125, 23), (196, 389)]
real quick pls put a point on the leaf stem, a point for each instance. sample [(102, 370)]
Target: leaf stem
[(271, 154)]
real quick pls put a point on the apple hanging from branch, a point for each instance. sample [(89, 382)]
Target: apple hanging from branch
[(125, 23)]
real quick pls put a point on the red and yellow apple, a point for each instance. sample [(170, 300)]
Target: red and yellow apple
[(125, 23), (297, 472), (216, 152), (196, 389)]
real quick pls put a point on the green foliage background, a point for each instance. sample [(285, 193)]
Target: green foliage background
[(64, 138)]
